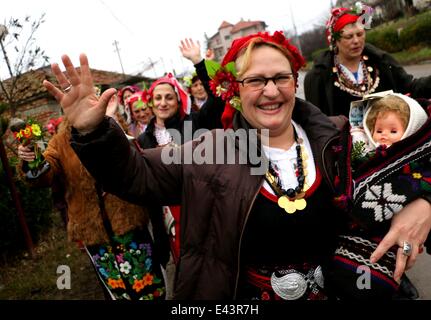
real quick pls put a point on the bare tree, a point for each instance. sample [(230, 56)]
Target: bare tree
[(313, 40), (26, 55), (17, 40)]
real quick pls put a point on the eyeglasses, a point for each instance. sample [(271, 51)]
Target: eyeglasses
[(258, 83)]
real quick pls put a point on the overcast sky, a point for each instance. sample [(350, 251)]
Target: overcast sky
[(148, 29)]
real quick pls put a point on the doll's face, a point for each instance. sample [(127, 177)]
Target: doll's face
[(388, 128)]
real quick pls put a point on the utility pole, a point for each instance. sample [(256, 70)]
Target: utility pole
[(115, 44), (298, 43), (173, 68), (164, 66), (152, 66)]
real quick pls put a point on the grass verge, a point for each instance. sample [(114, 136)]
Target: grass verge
[(24, 278), (413, 55)]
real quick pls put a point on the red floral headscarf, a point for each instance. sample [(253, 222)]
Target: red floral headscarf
[(182, 95), (340, 17), (296, 60)]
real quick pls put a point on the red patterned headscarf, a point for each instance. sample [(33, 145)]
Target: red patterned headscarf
[(341, 17), (142, 96), (182, 95), (239, 45)]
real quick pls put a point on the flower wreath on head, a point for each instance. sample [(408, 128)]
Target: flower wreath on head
[(343, 16), (223, 76), (146, 99)]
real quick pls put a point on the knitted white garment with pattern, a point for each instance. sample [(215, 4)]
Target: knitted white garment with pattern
[(162, 135)]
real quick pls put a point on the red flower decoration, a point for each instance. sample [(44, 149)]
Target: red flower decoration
[(53, 124), (224, 85), (146, 97), (278, 37)]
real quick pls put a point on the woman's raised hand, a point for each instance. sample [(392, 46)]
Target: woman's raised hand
[(82, 107), (191, 50)]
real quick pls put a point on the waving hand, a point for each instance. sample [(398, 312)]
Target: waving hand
[(82, 107), (191, 50)]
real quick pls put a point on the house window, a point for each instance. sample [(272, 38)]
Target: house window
[(227, 37)]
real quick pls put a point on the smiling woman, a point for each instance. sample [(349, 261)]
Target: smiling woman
[(268, 104), (293, 190), (268, 235)]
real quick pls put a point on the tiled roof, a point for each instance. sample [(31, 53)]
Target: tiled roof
[(245, 25), (30, 83), (225, 24)]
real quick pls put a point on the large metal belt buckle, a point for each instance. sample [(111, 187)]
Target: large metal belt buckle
[(291, 284)]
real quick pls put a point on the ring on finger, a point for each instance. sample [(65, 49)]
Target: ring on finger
[(67, 89), (407, 248)]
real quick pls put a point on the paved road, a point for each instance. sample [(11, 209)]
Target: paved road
[(421, 272), (420, 275)]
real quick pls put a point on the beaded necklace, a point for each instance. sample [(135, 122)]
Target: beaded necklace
[(366, 86), (291, 199)]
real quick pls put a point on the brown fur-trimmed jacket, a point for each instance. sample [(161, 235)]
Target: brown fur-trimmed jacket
[(85, 221)]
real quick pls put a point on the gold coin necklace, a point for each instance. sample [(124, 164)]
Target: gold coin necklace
[(291, 199)]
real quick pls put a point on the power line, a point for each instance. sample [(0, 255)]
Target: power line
[(115, 17)]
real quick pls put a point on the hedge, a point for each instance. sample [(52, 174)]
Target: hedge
[(37, 207), (386, 39), (417, 33), (403, 34)]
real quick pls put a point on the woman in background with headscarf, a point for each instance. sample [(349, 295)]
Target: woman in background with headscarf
[(141, 114), (351, 69)]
